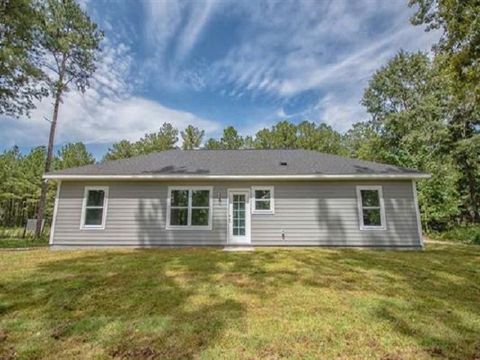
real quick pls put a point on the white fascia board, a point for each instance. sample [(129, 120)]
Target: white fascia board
[(240, 177)]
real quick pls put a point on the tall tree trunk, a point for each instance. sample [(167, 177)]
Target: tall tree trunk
[(48, 164)]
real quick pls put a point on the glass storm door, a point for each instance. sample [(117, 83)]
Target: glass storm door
[(239, 217)]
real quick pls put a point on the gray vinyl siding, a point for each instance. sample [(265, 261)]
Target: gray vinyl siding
[(307, 213)]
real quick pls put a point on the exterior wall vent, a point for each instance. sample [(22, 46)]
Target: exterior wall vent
[(283, 163)]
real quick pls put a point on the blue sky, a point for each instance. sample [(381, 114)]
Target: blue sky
[(217, 63)]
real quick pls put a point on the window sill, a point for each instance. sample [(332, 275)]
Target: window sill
[(263, 212), (374, 228), (169, 227), (92, 227)]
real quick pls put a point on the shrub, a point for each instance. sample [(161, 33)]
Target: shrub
[(468, 234)]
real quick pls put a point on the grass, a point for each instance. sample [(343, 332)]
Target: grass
[(27, 242), (269, 304), (13, 238), (467, 234), (11, 232)]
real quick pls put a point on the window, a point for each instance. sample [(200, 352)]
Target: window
[(370, 208), (94, 207), (263, 200), (189, 208)]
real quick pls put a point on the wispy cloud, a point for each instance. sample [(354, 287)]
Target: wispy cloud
[(199, 15), (289, 48), (105, 113), (249, 63)]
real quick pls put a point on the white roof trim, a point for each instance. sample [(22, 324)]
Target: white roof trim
[(240, 177)]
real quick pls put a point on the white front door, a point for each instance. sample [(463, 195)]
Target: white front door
[(239, 216)]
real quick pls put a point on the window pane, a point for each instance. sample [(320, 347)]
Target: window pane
[(371, 217), (200, 217), (93, 216), (200, 197), (238, 198), (370, 198), (179, 217), (239, 231), (95, 197), (179, 198), (262, 205), (262, 194)]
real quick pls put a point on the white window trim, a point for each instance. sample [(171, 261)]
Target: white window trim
[(254, 200), (83, 226), (189, 216), (383, 225)]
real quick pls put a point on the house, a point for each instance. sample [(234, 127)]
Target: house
[(236, 197)]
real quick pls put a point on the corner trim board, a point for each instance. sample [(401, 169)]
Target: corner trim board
[(55, 211), (417, 213)]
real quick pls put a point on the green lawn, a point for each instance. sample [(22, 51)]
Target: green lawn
[(13, 238), (19, 243), (269, 304)]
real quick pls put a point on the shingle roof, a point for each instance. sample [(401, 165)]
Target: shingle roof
[(198, 163)]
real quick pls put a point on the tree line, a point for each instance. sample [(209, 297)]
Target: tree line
[(21, 180), (424, 108)]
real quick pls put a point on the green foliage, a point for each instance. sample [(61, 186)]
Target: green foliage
[(164, 139), (192, 137), (406, 105), (438, 196), (458, 20), (21, 80), (73, 155), (21, 178), (363, 142), (306, 135), (231, 140), (36, 32), (13, 237), (457, 58), (320, 138), (120, 150), (468, 234), (213, 144), (408, 128), (283, 135), (73, 40)]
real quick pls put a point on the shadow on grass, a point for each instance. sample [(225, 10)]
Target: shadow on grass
[(432, 297), (178, 303), (142, 304)]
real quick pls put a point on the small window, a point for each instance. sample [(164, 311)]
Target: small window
[(94, 207), (189, 208), (370, 207), (263, 200)]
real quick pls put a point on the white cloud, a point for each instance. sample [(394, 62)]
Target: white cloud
[(314, 45), (330, 48), (339, 111), (176, 25), (200, 15), (109, 111), (162, 19), (282, 51), (103, 121)]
